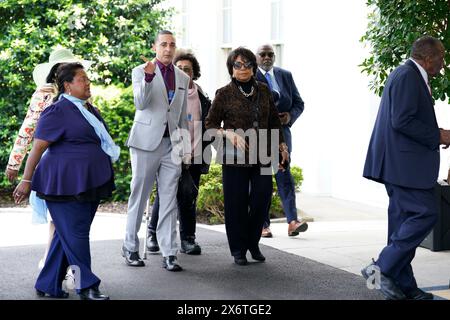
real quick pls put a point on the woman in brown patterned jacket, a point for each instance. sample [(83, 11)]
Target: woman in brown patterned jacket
[(250, 119)]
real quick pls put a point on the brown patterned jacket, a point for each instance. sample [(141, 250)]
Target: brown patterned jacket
[(236, 111)]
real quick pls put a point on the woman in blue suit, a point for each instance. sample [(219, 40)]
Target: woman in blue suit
[(71, 177)]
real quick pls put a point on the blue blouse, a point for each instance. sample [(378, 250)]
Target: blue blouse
[(75, 161)]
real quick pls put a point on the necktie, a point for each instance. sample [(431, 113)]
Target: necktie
[(429, 88), (269, 81)]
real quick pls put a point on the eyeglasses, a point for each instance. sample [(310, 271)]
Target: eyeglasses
[(238, 65), (266, 54)]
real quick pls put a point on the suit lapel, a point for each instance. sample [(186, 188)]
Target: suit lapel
[(177, 83), (278, 78), (423, 84)]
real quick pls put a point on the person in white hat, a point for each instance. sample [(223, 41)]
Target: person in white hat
[(44, 76)]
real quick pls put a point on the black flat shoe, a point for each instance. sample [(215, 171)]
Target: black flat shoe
[(92, 294), (419, 294), (257, 255), (42, 294), (240, 260)]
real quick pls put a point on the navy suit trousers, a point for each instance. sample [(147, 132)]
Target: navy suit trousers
[(286, 187), (412, 214), (70, 246)]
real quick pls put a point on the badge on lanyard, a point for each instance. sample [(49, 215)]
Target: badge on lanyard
[(171, 94)]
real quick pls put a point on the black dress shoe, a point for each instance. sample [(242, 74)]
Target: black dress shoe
[(152, 242), (369, 270), (257, 255), (189, 246), (387, 286), (240, 260), (42, 294), (132, 258), (92, 294), (170, 263), (419, 294)]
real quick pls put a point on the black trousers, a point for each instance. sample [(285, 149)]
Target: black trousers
[(186, 197), (247, 195)]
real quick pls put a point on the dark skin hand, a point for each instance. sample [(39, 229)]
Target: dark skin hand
[(23, 189), (285, 117)]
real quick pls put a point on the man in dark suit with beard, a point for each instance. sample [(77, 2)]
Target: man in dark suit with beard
[(404, 155)]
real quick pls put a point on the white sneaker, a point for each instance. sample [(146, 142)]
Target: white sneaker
[(41, 264), (69, 280)]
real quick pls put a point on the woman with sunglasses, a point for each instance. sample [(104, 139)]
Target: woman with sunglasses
[(246, 105)]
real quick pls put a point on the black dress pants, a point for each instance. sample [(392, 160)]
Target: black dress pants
[(247, 195)]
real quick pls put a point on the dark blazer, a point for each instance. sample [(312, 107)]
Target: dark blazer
[(289, 100), (404, 147), (205, 103), (237, 112)]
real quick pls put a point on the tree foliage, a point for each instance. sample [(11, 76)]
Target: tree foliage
[(393, 27), (112, 33)]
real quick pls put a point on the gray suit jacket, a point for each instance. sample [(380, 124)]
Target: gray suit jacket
[(153, 111)]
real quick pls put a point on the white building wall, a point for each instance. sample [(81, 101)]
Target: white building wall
[(320, 45)]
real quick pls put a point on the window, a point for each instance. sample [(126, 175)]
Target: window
[(226, 25), (185, 21), (278, 48), (275, 13)]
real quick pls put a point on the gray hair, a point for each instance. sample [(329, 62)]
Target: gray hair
[(426, 46)]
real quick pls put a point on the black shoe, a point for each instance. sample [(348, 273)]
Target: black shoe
[(42, 294), (189, 246), (171, 263), (152, 242), (257, 255), (366, 273), (132, 258), (387, 286), (240, 260), (419, 294), (92, 294)]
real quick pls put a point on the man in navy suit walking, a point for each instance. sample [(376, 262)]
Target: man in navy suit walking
[(403, 154), (290, 106)]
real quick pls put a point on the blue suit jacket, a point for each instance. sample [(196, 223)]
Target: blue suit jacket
[(289, 100), (404, 147)]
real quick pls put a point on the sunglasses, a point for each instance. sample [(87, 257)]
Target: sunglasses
[(238, 65), (266, 54)]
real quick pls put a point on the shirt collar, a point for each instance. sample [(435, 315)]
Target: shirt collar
[(264, 72), (422, 70), (163, 67), (73, 99)]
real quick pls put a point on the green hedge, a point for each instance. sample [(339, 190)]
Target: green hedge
[(210, 198), (112, 33)]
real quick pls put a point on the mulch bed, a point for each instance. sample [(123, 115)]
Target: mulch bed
[(7, 201)]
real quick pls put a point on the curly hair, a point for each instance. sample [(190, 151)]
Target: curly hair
[(186, 55), (246, 54)]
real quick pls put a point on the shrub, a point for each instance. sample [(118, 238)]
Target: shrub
[(112, 33), (210, 204), (117, 109)]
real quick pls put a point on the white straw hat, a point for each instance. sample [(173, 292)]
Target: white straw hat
[(61, 55)]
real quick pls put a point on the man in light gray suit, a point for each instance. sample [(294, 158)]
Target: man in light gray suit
[(157, 144)]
